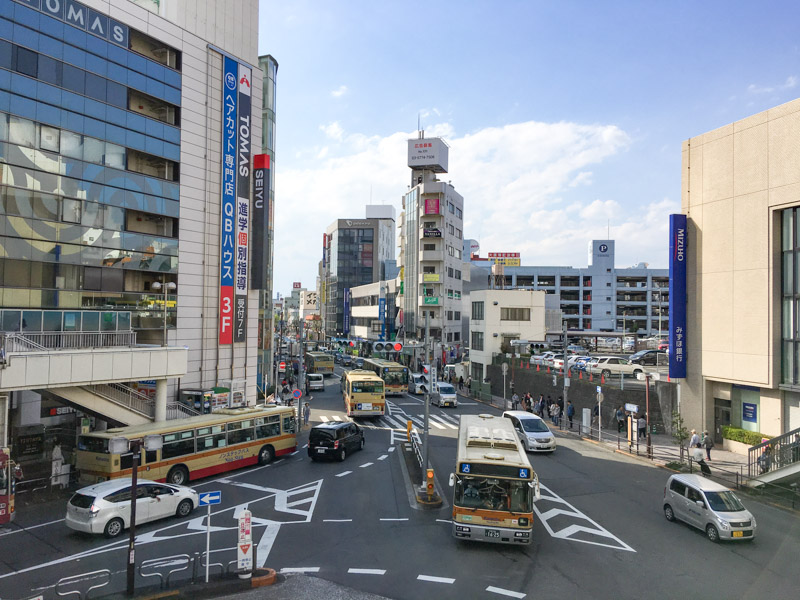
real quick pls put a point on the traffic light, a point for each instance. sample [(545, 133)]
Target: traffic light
[(429, 483), (397, 347), (380, 346)]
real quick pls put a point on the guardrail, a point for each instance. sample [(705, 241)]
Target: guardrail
[(38, 341), (124, 396), (166, 561), (775, 453), (416, 444), (179, 410)]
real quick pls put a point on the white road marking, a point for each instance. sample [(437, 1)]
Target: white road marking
[(266, 542), (31, 527), (399, 519), (292, 454), (497, 590), (300, 570), (337, 520), (391, 449), (368, 464), (436, 424), (444, 521), (435, 579), (409, 404), (343, 473), (566, 532), (383, 457), (337, 418), (437, 419), (367, 571), (323, 418)]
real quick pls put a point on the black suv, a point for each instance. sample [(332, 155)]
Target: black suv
[(334, 440), (649, 358)]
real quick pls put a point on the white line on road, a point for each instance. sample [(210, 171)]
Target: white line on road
[(383, 457), (391, 449), (444, 521), (367, 571), (337, 418), (343, 473), (266, 542), (323, 418), (31, 527), (300, 570), (435, 579), (292, 454), (337, 520), (402, 519), (497, 590), (368, 464)]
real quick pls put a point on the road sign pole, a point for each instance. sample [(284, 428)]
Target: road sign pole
[(208, 540), (427, 399)]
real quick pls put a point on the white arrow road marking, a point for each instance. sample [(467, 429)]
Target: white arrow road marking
[(567, 532)]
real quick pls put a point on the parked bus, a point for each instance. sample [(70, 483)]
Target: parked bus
[(364, 394), (494, 484), (394, 375), (319, 362), (194, 447)]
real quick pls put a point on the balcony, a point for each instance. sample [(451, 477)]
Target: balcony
[(432, 255)]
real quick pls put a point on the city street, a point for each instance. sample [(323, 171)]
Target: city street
[(599, 528)]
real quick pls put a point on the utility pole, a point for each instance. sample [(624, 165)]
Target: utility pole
[(300, 378), (566, 377), (427, 398)]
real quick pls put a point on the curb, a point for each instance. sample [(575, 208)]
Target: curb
[(262, 577)]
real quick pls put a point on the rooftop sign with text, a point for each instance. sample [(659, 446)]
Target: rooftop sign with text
[(428, 153)]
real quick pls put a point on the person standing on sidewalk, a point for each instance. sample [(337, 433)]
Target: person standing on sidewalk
[(620, 416), (570, 412), (708, 444), (514, 401), (642, 426), (306, 414), (556, 414)]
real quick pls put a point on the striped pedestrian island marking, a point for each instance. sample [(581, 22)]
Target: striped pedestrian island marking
[(435, 579), (367, 571)]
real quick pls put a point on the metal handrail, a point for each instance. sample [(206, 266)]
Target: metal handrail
[(775, 453), (416, 443), (83, 577), (165, 561), (177, 410), (124, 396), (16, 342), (37, 341)]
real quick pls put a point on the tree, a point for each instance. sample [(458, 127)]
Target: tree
[(679, 432), (505, 347)]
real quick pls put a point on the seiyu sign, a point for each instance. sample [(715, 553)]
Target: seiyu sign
[(677, 296), (259, 222)]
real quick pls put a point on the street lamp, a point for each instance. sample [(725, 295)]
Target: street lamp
[(121, 445), (167, 287)]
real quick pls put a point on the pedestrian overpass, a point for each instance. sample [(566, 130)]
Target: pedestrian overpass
[(775, 461)]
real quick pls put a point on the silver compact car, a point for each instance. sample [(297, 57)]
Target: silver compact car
[(709, 506), (533, 432), (106, 507)]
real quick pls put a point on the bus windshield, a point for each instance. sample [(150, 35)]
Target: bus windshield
[(491, 493), (392, 377), (375, 387)]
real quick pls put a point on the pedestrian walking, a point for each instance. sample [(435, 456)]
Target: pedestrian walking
[(570, 412), (697, 456), (460, 383), (556, 414), (642, 427), (306, 414), (694, 440), (549, 408), (514, 401), (620, 416), (708, 444)]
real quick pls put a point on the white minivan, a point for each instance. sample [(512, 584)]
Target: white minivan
[(709, 506), (444, 394), (315, 381)]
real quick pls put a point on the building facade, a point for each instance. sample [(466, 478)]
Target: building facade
[(431, 243), (373, 311), (600, 297), (355, 252), (740, 194), (120, 126)]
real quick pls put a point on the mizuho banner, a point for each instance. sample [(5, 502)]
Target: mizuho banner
[(242, 204), (677, 296), (230, 72)]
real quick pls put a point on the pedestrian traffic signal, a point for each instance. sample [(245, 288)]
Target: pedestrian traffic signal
[(429, 482)]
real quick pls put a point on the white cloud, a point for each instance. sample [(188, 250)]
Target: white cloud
[(339, 92), (526, 187), (790, 82), (333, 131)]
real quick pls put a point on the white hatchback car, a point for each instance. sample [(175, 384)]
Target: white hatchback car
[(106, 507), (533, 432)]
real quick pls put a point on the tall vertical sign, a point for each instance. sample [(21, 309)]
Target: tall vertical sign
[(259, 222), (230, 72), (346, 311), (242, 204), (677, 296)]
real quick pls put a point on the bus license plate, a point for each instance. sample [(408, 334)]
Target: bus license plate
[(492, 533), (366, 406), (738, 534)]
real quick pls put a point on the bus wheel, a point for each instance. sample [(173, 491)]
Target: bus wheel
[(265, 455), (178, 475)]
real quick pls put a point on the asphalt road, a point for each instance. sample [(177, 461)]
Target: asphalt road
[(599, 532)]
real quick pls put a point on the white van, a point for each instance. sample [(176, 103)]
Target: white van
[(417, 383), (709, 506), (315, 381), (444, 394)]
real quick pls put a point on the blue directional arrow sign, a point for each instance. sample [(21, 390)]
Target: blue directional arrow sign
[(210, 498)]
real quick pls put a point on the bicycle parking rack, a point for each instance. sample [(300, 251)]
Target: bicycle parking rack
[(183, 559), (65, 581)]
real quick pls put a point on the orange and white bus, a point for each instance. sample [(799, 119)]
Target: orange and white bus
[(195, 447), (494, 484), (394, 375), (319, 362), (364, 394)]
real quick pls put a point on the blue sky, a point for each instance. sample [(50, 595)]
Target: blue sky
[(561, 116)]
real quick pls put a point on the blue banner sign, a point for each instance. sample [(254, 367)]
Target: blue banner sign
[(382, 317), (749, 412), (346, 311), (677, 296), (228, 217)]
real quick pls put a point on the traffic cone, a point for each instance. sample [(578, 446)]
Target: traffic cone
[(580, 374), (569, 373), (590, 376), (602, 378), (548, 369), (521, 364), (528, 366), (537, 367)]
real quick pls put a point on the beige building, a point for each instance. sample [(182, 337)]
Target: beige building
[(500, 316), (741, 192)]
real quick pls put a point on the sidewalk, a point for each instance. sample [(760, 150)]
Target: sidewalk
[(665, 449)]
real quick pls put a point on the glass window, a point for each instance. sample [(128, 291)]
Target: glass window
[(477, 311), (21, 131), (71, 144), (19, 202), (477, 340), (10, 320), (51, 320), (6, 54), (116, 94), (27, 62), (123, 321), (45, 206), (91, 320), (92, 214), (108, 321), (96, 87), (93, 150), (114, 156), (49, 138), (71, 210), (50, 70), (74, 79), (72, 321), (31, 320)]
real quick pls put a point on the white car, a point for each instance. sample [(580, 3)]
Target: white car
[(546, 358), (315, 381), (444, 394), (533, 432), (106, 507)]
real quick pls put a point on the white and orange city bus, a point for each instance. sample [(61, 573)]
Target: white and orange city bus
[(494, 484), (394, 375), (195, 447), (364, 394)]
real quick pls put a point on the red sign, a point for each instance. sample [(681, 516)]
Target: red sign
[(226, 314), (503, 254), (296, 285), (282, 366), (431, 206)]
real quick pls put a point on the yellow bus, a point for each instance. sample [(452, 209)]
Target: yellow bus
[(364, 394), (319, 362), (494, 484), (194, 447), (394, 375)]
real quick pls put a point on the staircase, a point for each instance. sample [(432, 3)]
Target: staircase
[(775, 460)]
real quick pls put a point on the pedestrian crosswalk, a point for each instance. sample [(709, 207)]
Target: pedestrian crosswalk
[(397, 419)]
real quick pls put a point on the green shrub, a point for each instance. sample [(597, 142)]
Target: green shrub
[(751, 438)]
